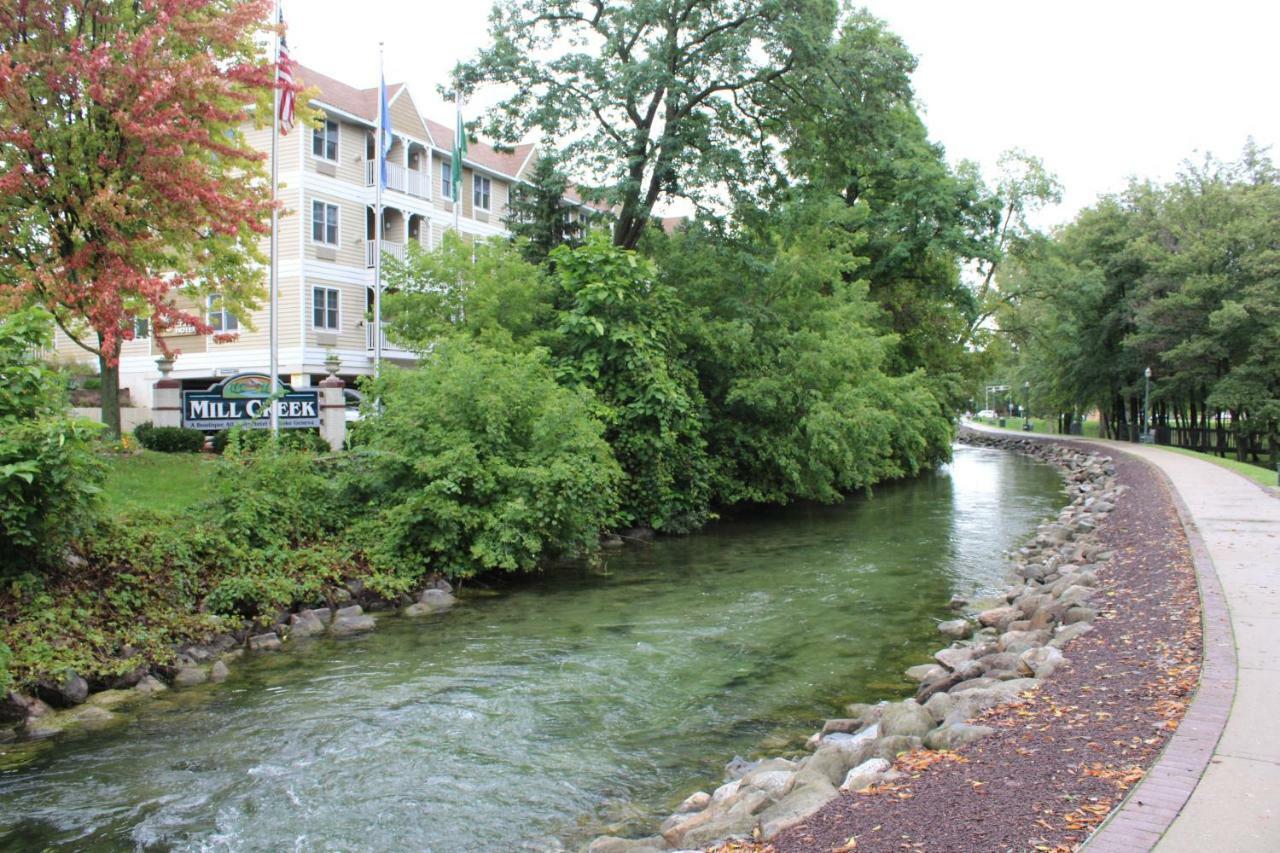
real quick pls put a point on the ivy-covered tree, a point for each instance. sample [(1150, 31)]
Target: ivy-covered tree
[(652, 99), (125, 176)]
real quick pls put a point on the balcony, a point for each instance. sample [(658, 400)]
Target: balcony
[(395, 250), (389, 349), (409, 181)]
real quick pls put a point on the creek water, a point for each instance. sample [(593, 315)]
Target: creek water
[(582, 701)]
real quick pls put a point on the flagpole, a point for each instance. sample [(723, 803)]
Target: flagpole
[(274, 293), (457, 146), (377, 231)]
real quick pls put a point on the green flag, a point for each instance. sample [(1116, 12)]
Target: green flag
[(459, 151)]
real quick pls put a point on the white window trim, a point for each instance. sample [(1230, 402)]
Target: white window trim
[(222, 310), (476, 178), (326, 288), (338, 208), (337, 144), (446, 175)]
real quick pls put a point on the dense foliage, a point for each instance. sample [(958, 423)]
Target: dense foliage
[(49, 474), (1182, 278), (479, 460), (169, 439)]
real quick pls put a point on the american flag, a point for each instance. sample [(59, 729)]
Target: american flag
[(284, 82)]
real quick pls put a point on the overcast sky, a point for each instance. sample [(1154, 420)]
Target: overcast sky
[(1099, 90)]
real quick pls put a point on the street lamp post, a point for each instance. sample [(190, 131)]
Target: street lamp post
[(1146, 407), (1026, 405)]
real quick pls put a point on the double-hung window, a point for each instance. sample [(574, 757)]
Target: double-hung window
[(324, 308), (324, 223), (481, 188), (446, 179), (220, 319), (324, 140)]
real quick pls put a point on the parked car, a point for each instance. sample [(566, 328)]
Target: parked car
[(351, 400), (987, 413)]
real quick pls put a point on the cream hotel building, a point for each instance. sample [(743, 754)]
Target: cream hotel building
[(326, 246)]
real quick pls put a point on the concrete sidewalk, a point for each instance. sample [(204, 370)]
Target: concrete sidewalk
[(1235, 804)]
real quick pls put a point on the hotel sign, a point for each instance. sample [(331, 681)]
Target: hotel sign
[(241, 400)]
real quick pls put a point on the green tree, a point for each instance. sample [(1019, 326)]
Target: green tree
[(124, 171), (851, 130), (537, 215), (655, 98), (617, 335), (784, 341), (483, 290)]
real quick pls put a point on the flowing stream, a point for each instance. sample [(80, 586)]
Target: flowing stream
[(582, 701)]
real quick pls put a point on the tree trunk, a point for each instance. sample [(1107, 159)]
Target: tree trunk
[(110, 375)]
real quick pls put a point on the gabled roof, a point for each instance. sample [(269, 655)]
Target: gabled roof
[(361, 103), (485, 156)]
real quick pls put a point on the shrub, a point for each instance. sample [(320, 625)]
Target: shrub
[(169, 439), (478, 461), (49, 475), (618, 337), (254, 439)]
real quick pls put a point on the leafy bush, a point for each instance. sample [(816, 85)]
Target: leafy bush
[(169, 439), (253, 439), (478, 461), (617, 336), (49, 475)]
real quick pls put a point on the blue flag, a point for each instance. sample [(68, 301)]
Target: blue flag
[(387, 136)]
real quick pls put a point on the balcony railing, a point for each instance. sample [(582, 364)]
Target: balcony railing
[(399, 178), (387, 346), (395, 250)]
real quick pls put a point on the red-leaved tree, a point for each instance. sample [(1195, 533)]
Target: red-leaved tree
[(128, 189)]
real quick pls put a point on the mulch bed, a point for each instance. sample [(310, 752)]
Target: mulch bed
[(1064, 757)]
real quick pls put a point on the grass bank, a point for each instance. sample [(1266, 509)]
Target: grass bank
[(149, 480), (1256, 473)]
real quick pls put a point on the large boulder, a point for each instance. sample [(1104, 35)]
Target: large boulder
[(952, 658), (997, 617), (695, 802), (1067, 633), (305, 623), (865, 774), (802, 802), (149, 685), (1041, 662), (938, 706), (956, 735), (1017, 642), (436, 600), (906, 718), (190, 676), (64, 692), (268, 642), (955, 629), (970, 703), (924, 671), (351, 620)]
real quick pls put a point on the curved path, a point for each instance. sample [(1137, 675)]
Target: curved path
[(1217, 784)]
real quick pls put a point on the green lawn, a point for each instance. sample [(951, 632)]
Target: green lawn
[(158, 481), (1039, 425), (1261, 476)]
